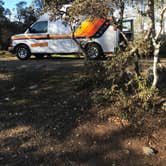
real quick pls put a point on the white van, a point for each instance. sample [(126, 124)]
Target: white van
[(98, 36)]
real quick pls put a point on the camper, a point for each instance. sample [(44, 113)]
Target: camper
[(98, 37)]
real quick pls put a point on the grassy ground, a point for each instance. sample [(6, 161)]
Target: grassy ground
[(46, 120)]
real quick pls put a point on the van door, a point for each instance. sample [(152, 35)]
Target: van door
[(60, 37), (38, 35)]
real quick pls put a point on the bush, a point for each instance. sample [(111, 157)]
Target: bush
[(115, 83), (161, 73), (7, 30)]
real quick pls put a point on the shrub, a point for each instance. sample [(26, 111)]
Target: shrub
[(115, 83)]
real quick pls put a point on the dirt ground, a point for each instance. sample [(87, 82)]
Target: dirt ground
[(45, 120)]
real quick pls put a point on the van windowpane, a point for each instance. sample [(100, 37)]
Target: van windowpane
[(59, 27), (39, 27)]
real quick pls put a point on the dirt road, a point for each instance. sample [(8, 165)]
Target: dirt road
[(45, 64), (54, 63), (46, 120)]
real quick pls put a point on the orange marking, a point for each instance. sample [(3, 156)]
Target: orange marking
[(67, 36), (28, 37), (44, 44)]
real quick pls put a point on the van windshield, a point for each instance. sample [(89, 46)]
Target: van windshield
[(39, 27)]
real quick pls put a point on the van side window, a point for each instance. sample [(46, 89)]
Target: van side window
[(59, 27), (39, 27)]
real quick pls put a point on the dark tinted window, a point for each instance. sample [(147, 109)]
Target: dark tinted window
[(39, 27), (128, 26)]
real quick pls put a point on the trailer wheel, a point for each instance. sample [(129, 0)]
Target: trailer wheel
[(94, 51), (23, 52)]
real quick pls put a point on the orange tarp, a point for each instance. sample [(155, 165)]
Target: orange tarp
[(88, 28)]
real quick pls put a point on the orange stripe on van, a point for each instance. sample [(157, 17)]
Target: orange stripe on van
[(44, 44), (23, 37), (66, 36)]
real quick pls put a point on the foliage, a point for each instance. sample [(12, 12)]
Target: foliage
[(25, 15), (7, 29), (89, 8), (116, 84), (39, 4), (1, 7), (20, 7), (95, 8), (145, 48)]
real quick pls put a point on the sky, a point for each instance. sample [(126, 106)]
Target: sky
[(11, 3)]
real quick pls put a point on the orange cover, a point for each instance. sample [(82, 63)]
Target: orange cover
[(88, 28)]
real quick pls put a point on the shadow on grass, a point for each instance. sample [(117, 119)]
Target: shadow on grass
[(105, 152), (48, 114), (52, 109), (54, 104)]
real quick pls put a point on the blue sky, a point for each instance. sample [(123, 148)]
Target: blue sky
[(11, 3)]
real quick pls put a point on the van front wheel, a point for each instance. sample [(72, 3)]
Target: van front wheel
[(93, 51), (23, 52)]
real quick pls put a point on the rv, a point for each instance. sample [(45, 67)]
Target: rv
[(98, 37)]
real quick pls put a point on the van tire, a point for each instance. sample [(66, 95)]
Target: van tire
[(23, 52), (93, 51)]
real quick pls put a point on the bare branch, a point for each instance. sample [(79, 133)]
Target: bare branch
[(125, 38), (147, 36)]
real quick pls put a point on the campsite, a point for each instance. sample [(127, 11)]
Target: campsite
[(88, 92)]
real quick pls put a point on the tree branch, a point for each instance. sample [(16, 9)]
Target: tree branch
[(161, 23)]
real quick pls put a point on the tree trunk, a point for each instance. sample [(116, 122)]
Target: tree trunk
[(151, 15), (121, 14), (157, 46), (80, 46), (155, 63)]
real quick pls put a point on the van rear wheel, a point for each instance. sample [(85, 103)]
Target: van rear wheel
[(23, 52), (93, 51)]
